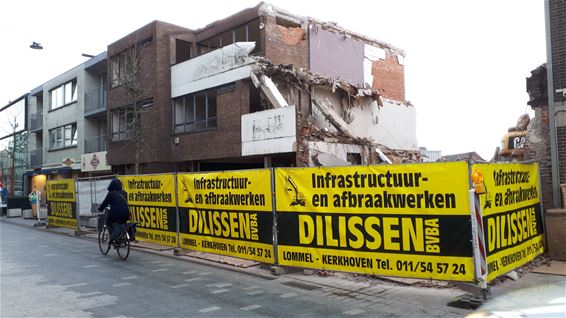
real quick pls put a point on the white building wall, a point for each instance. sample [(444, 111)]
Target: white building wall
[(392, 125)]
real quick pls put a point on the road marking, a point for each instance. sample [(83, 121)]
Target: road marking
[(353, 312), (219, 291), (157, 262), (250, 307), (90, 266), (76, 251), (251, 287), (166, 264), (209, 309), (204, 273), (160, 270), (130, 277), (74, 285), (189, 272), (50, 255), (219, 285), (193, 279), (91, 294), (121, 284), (288, 295), (255, 292), (180, 286)]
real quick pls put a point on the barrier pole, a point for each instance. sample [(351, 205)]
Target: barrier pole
[(274, 213), (77, 208), (177, 211), (480, 257)]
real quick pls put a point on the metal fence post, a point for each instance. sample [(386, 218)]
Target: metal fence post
[(274, 213), (177, 211)]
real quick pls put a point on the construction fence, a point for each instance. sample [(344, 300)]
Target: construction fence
[(447, 221)]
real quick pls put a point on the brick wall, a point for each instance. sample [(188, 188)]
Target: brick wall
[(155, 120), (284, 45), (538, 148), (224, 141), (389, 77)]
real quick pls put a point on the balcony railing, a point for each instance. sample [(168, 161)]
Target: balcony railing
[(36, 157), (95, 144), (95, 100), (36, 121)]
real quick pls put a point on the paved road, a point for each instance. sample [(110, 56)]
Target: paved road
[(43, 274)]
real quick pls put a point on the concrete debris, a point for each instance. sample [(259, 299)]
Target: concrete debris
[(304, 79), (262, 73)]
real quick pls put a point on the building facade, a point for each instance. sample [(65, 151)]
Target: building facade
[(191, 114), (67, 119)]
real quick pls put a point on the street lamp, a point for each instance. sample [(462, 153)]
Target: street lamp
[(36, 46)]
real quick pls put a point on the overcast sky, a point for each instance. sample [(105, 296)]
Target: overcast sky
[(465, 66)]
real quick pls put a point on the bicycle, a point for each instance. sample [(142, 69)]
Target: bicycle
[(121, 244)]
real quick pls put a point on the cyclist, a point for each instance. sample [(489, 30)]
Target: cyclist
[(116, 198)]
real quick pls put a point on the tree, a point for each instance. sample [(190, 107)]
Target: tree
[(16, 150), (132, 69)]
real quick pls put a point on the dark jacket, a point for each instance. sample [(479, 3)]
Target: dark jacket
[(118, 202)]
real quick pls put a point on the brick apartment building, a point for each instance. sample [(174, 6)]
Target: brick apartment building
[(207, 99)]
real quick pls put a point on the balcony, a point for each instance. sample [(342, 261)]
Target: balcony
[(36, 122), (95, 101), (95, 144), (36, 157)]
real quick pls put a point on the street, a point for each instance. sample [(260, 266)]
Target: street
[(48, 274)]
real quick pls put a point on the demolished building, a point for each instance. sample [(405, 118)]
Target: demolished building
[(301, 93)]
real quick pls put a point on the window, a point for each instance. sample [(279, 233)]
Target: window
[(195, 112), (122, 121), (244, 33), (63, 137), (64, 94), (122, 64)]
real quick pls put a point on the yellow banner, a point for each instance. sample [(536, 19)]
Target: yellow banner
[(229, 190), (507, 260), (512, 217), (152, 205), (228, 213), (398, 220), (61, 190), (256, 251), (62, 222), (166, 238), (506, 186), (150, 190), (387, 264), (420, 188)]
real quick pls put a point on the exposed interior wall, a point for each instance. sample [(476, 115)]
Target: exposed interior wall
[(392, 125), (341, 55), (285, 44), (335, 154), (335, 55)]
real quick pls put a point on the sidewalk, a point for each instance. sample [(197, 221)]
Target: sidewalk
[(337, 284)]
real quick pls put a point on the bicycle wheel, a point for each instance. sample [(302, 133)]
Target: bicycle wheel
[(104, 241), (123, 249)]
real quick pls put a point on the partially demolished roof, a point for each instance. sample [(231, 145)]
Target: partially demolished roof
[(271, 10), (304, 79)]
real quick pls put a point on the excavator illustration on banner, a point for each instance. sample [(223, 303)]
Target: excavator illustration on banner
[(480, 188), (299, 198), (189, 199)]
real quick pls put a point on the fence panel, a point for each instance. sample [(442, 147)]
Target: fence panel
[(510, 203), (91, 193), (228, 213), (393, 220), (152, 203), (62, 203)]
